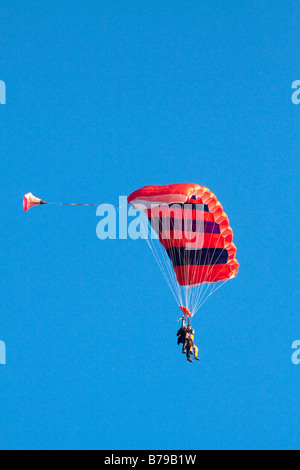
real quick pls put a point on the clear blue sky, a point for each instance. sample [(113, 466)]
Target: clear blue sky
[(104, 97)]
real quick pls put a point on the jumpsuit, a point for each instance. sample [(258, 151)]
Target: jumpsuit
[(190, 346)]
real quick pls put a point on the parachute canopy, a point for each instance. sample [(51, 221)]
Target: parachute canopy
[(194, 232)]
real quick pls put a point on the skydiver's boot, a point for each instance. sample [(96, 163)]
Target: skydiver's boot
[(189, 359), (197, 358)]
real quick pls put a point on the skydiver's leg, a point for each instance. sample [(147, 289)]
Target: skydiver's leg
[(188, 353), (196, 353)]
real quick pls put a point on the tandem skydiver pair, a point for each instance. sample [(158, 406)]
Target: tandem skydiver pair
[(186, 336)]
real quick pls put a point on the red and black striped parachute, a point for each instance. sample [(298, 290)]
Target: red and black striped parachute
[(194, 232)]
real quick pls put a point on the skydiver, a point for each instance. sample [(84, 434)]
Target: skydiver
[(190, 346), (181, 333), (186, 339)]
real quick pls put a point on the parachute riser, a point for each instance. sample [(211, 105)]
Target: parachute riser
[(187, 314)]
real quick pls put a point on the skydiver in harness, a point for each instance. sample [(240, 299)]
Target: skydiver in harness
[(186, 335), (181, 334), (190, 346)]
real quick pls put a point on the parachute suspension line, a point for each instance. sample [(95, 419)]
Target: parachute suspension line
[(202, 280), (212, 292), (203, 293), (165, 256), (194, 295), (181, 290), (194, 288), (186, 290), (162, 262), (171, 272), (165, 261), (211, 284)]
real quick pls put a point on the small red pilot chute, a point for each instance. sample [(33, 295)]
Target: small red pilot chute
[(30, 201)]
